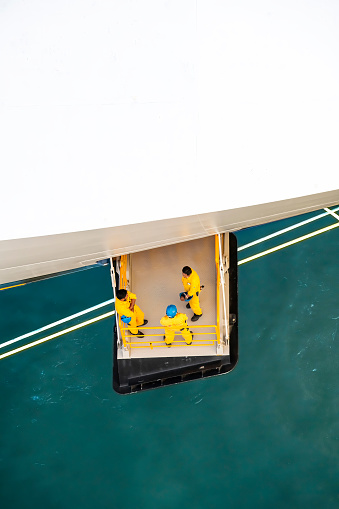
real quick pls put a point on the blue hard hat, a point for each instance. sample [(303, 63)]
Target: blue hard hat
[(171, 311)]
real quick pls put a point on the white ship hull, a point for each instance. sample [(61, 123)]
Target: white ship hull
[(127, 127)]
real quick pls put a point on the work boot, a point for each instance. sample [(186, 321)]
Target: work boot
[(195, 317), (145, 323), (188, 344), (188, 306), (167, 344), (139, 334)]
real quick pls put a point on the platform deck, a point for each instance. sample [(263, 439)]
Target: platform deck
[(156, 280)]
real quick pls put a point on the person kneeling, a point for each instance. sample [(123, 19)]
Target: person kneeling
[(129, 312)]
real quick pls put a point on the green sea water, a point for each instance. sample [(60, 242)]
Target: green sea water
[(265, 435)]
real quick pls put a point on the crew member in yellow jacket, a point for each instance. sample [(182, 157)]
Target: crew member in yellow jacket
[(191, 282), (129, 312), (175, 322)]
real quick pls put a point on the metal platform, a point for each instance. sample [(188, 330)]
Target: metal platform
[(155, 277)]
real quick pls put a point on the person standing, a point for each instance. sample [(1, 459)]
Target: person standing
[(175, 322), (129, 312), (191, 282)]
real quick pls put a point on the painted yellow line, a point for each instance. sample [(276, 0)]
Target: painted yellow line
[(289, 228), (290, 243), (8, 287), (49, 326), (65, 331)]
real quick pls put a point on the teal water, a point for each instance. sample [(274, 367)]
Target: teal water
[(265, 435)]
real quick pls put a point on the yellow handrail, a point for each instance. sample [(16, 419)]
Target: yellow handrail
[(123, 284), (145, 343), (152, 344), (123, 272), (217, 266)]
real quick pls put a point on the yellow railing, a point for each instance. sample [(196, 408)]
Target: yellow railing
[(146, 343), (122, 285), (217, 266), (123, 272), (131, 340)]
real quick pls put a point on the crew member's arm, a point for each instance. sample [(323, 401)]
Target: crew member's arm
[(166, 322), (194, 288), (185, 284), (132, 298)]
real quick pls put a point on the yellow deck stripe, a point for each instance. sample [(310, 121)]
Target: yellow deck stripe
[(290, 243), (65, 331), (14, 286), (289, 228)]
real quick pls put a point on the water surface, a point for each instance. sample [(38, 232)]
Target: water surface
[(265, 435)]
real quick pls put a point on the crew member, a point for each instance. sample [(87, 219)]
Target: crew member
[(175, 322), (191, 282), (129, 312)]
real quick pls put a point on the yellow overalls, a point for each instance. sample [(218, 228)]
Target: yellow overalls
[(192, 287), (176, 324), (122, 308)]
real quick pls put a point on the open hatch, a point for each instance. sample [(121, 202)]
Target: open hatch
[(155, 277)]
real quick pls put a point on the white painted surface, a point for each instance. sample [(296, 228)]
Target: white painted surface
[(116, 112)]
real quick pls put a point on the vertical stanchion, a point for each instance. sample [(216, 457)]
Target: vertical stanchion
[(222, 278), (218, 286)]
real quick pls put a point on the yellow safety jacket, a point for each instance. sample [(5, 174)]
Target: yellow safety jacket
[(191, 284), (122, 307), (178, 322)]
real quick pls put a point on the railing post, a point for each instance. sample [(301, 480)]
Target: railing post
[(113, 280), (221, 281), (218, 287), (122, 284)]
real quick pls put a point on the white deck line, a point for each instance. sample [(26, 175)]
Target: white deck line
[(290, 243), (289, 228), (52, 336), (332, 213), (63, 320)]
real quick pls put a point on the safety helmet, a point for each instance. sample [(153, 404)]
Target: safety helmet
[(171, 311)]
